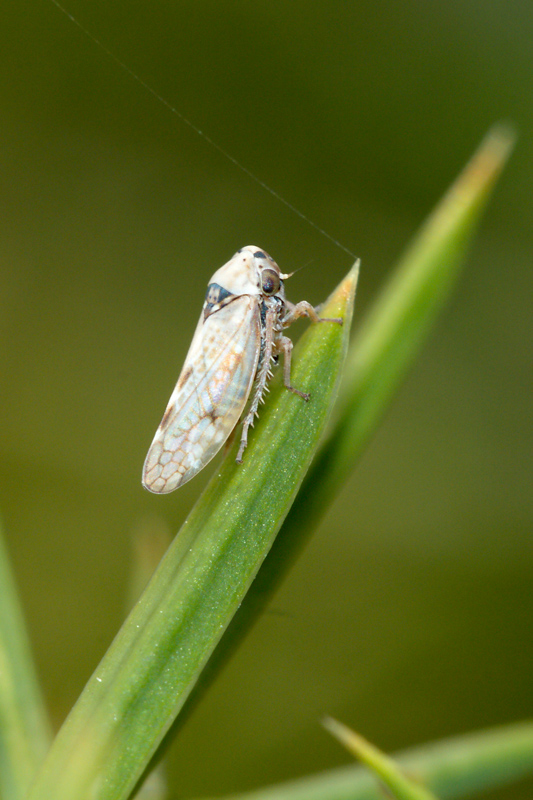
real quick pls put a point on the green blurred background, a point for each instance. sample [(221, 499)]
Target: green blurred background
[(409, 615)]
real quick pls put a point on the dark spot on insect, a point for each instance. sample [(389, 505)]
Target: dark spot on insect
[(259, 254), (215, 293), (212, 415), (184, 377), (216, 297), (166, 415)]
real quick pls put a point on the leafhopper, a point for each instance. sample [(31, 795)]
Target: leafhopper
[(238, 337)]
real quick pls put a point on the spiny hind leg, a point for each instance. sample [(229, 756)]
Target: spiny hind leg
[(305, 309), (284, 344), (261, 384)]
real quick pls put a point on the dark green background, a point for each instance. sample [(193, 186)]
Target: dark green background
[(409, 616)]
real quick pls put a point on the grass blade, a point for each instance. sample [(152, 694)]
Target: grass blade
[(396, 327), (383, 767), (452, 769), (145, 677), (24, 730)]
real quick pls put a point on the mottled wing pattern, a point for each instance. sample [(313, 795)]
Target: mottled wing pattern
[(209, 397)]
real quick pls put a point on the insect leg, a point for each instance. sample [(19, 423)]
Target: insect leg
[(262, 378), (301, 309), (286, 345), (305, 309)]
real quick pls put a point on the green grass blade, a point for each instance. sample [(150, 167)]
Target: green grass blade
[(452, 769), (145, 677), (24, 731), (396, 327), (383, 767), (150, 540)]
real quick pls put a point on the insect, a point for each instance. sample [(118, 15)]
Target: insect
[(238, 337)]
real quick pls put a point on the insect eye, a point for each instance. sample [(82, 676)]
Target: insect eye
[(271, 282)]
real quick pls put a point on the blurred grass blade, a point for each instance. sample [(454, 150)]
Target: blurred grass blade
[(146, 675), (398, 324), (24, 731), (381, 765), (452, 769)]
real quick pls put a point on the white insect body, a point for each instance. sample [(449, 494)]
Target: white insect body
[(239, 334)]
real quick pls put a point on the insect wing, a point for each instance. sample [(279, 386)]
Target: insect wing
[(209, 397)]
